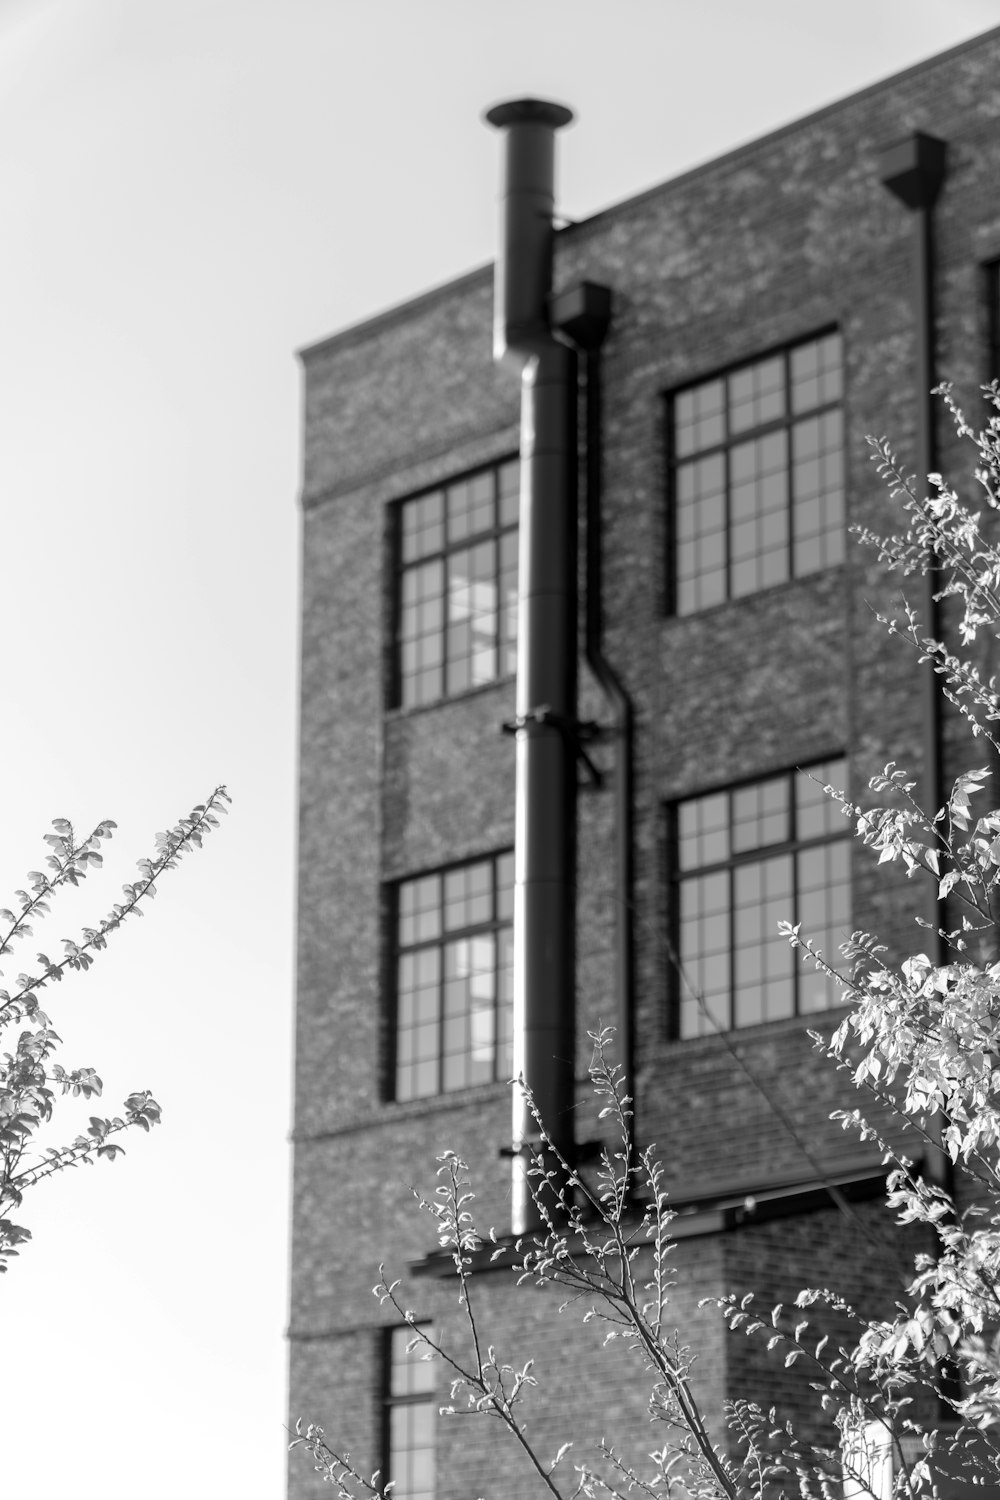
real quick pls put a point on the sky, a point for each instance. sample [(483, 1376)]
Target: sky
[(192, 190)]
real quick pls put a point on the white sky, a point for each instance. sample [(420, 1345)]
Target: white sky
[(192, 189)]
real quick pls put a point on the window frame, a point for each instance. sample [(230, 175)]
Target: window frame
[(786, 423), (393, 1400), (734, 860), (400, 566), (494, 926)]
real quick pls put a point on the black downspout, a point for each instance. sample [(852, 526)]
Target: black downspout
[(624, 728), (913, 171), (583, 314)]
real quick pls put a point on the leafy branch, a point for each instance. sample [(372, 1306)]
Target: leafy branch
[(29, 1077)]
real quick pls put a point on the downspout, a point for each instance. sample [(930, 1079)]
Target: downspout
[(913, 171), (583, 314), (545, 723), (624, 732)]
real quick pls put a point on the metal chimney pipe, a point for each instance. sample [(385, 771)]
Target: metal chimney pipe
[(545, 725)]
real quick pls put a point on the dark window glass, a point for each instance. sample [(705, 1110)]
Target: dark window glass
[(457, 586), (746, 859), (410, 1415), (757, 475), (454, 965)]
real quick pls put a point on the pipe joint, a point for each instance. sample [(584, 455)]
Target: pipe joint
[(524, 264)]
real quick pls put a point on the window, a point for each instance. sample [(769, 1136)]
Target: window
[(454, 961), (757, 475), (456, 606), (410, 1412), (745, 859)]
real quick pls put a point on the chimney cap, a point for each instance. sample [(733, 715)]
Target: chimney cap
[(528, 112)]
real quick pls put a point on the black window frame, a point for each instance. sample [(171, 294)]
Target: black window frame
[(401, 565), (786, 422), (835, 767), (498, 923), (393, 1400)]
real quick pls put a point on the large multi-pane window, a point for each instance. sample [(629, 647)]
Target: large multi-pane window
[(757, 475), (410, 1412), (454, 960), (747, 858), (456, 607)]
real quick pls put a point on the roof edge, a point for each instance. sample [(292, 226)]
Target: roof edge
[(399, 311), (800, 121), (356, 332)]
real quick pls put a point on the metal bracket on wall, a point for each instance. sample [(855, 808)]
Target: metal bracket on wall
[(576, 731)]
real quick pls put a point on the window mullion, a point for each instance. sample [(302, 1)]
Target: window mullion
[(789, 466), (727, 483), (495, 926), (731, 901), (446, 561), (727, 489), (441, 947), (731, 938), (797, 966)]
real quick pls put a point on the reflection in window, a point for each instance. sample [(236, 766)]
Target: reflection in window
[(746, 859), (457, 582), (757, 475), (454, 960), (410, 1413)]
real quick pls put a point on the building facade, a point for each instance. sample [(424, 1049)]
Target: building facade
[(767, 311)]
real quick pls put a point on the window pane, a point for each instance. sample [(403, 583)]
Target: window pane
[(770, 389), (699, 418), (760, 814), (468, 895), (816, 373), (703, 830), (505, 1004), (816, 813), (422, 526), (505, 886), (507, 603), (411, 1372), (508, 482)]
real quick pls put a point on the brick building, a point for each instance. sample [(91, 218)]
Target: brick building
[(767, 311)]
